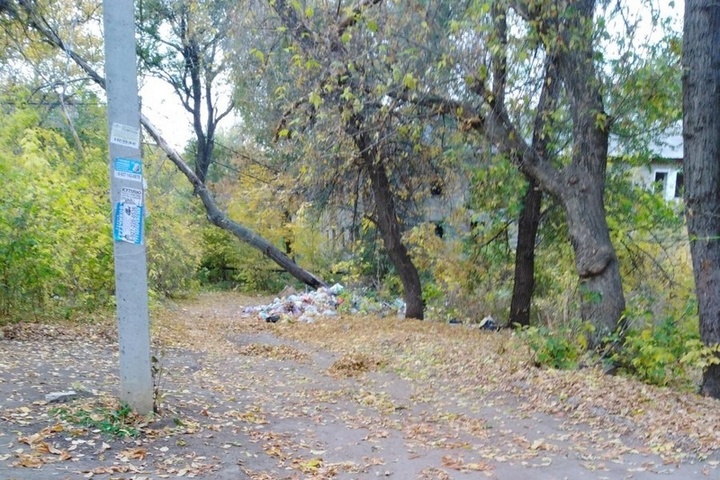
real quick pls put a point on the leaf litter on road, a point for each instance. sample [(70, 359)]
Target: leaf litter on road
[(346, 397)]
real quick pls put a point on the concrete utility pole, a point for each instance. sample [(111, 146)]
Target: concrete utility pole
[(127, 196)]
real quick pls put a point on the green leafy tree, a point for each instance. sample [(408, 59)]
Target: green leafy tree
[(173, 229), (56, 246), (32, 14), (553, 45), (344, 79)]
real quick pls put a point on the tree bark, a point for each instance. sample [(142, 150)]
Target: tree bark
[(524, 280), (582, 183), (387, 219), (701, 141), (529, 221), (601, 295), (389, 227)]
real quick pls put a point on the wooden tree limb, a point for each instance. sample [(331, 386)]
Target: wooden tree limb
[(218, 218), (214, 214), (501, 131), (355, 15)]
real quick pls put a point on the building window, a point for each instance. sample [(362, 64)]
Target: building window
[(679, 185), (660, 182), (670, 183)]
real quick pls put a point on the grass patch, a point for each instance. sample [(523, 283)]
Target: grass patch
[(117, 421)]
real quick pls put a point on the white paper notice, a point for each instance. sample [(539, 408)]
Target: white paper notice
[(131, 195), (125, 135)]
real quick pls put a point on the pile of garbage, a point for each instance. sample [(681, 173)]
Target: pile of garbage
[(323, 302)]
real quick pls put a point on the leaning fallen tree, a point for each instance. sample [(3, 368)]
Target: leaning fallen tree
[(218, 218), (25, 12)]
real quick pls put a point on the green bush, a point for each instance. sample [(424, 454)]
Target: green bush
[(55, 247), (557, 348), (653, 350), (229, 264), (173, 259), (172, 234)]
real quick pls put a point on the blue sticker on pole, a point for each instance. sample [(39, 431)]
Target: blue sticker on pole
[(128, 169), (128, 225)]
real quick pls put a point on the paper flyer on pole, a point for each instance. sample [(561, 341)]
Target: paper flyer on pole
[(131, 195), (128, 169), (128, 225), (125, 135)]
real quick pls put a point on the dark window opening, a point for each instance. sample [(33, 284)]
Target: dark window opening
[(679, 185), (660, 181)]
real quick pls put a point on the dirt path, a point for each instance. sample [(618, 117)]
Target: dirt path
[(346, 398)]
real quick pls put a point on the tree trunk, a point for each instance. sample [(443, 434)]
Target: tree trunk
[(524, 279), (583, 182), (601, 294), (389, 227), (524, 282), (387, 219), (701, 140), (529, 220)]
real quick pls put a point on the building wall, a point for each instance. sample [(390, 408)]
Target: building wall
[(666, 176)]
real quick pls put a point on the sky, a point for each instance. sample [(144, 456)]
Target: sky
[(162, 106)]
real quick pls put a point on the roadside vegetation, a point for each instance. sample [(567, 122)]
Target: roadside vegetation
[(317, 114)]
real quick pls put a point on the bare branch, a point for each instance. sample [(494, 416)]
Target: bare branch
[(214, 214)]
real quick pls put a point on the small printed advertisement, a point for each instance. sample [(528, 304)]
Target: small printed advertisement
[(129, 219), (128, 169), (125, 135), (131, 195)]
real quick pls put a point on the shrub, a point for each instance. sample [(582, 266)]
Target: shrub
[(55, 247), (557, 348), (664, 352)]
